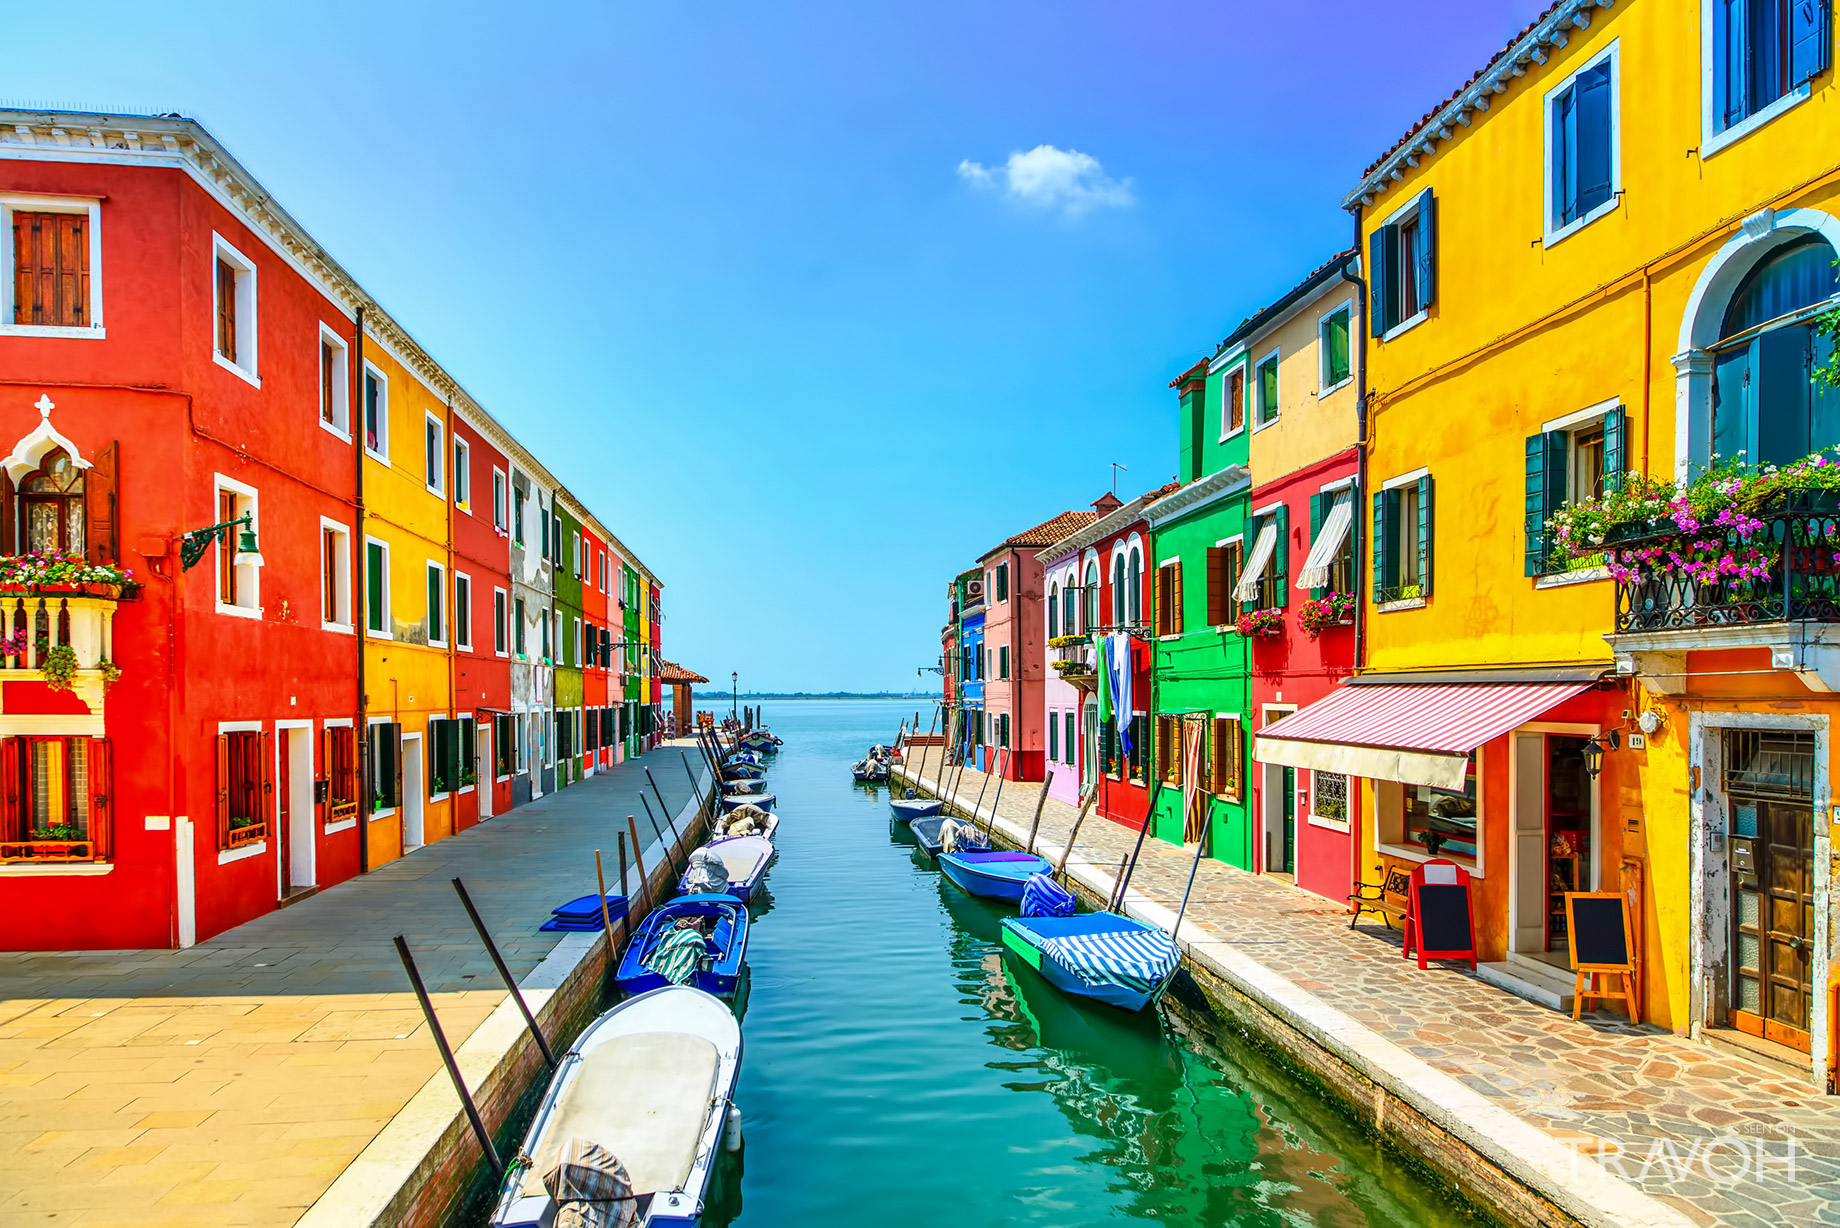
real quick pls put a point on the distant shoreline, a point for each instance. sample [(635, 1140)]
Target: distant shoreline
[(724, 696)]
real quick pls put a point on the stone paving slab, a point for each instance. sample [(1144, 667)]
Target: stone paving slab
[(1679, 1120), (233, 1082)]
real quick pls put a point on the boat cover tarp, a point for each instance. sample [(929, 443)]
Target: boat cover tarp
[(1043, 897), (590, 1187), (707, 873), (1106, 949), (678, 954)]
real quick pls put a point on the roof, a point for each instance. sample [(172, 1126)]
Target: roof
[(1047, 532), (1108, 523), (1328, 270), (1549, 29), (671, 671)]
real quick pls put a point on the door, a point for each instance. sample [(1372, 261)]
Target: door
[(300, 869), (1528, 868), (415, 792), (1769, 783), (1288, 851), (485, 775), (284, 818)]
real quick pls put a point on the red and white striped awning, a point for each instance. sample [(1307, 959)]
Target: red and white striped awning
[(1420, 734)]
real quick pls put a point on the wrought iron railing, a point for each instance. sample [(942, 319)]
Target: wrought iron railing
[(1799, 542)]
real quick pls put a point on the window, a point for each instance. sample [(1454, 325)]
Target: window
[(1134, 586), (386, 766), (1003, 661), (51, 506), (340, 763), (376, 587), (1003, 729), (1068, 736), (517, 627), (1571, 461), (1054, 737), (376, 414), (1762, 56), (1401, 260), (499, 637), (1329, 567), (1233, 406), (1763, 402), (1224, 563), (463, 475), (1226, 769), (463, 611), (243, 788), (1169, 750), (1402, 540), (1169, 598), (1090, 597), (233, 303), (556, 540), (238, 573), (1002, 581), (434, 460), (1118, 589), (1329, 797), (543, 526), (334, 383), (335, 576), (1334, 366), (519, 495), (1266, 388), (51, 282), (1581, 154), (504, 745), (54, 806), (437, 604), (1261, 582), (1442, 822), (498, 500), (1054, 610), (579, 553), (450, 754), (543, 618)]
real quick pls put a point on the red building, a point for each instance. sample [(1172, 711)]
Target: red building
[(481, 539), (597, 701)]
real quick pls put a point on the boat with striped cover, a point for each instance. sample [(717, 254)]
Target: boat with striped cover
[(991, 873), (726, 948), (1120, 961)]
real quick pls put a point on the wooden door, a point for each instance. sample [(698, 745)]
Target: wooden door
[(1773, 921), (284, 798)]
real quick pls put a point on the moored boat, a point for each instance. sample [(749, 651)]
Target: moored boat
[(638, 1106), (764, 800), (991, 873), (907, 809), (743, 786), (1117, 960), (741, 860), (723, 919), (743, 771), (929, 833), (745, 821)]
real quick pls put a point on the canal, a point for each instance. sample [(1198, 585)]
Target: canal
[(899, 1068)]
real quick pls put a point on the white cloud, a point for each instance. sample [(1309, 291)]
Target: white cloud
[(1050, 178)]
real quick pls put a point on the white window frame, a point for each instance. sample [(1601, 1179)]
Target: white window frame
[(446, 604), (454, 608), (12, 202), (1711, 140), (501, 500), (501, 622), (462, 478), (384, 632), (341, 393), (259, 847), (579, 555), (342, 598), (381, 452), (251, 580), (1396, 217), (243, 365), (1225, 369), (435, 482), (1554, 231), (429, 742), (1253, 392), (1323, 386)]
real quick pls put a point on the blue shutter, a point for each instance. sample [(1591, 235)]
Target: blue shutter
[(1810, 44), (1616, 432), (1592, 124), (1565, 156), (1729, 45), (1534, 556), (1426, 255), (1424, 536), (1280, 557), (1380, 290)]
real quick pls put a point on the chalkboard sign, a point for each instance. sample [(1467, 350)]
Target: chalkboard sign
[(1597, 924), (1438, 914)]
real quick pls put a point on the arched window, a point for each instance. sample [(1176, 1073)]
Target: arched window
[(1764, 402), (51, 505), (1134, 579), (1118, 591), (1054, 605), (1091, 612)]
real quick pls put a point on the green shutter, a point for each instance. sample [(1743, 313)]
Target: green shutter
[(1354, 539), (1534, 555), (1377, 273), (1281, 556), (1425, 535), (1616, 432), (1384, 566), (1319, 507), (1426, 255), (373, 597)]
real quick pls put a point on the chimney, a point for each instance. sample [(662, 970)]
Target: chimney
[(1107, 502)]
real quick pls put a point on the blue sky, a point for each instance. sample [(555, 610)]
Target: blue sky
[(766, 284)]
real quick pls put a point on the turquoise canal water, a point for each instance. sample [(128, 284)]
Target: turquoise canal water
[(899, 1068)]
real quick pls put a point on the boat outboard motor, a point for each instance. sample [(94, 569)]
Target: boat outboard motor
[(706, 875), (910, 794)]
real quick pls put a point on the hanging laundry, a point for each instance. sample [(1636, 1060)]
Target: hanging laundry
[(1105, 682), (1118, 658)]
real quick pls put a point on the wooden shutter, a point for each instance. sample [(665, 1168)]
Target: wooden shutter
[(226, 310), (1386, 544), (1616, 435), (223, 791), (1425, 255), (72, 231), (326, 760), (1175, 597), (396, 764), (99, 493), (51, 269), (101, 817), (1216, 585), (9, 507), (25, 268), (11, 825), (1382, 284), (1281, 559), (1425, 536), (1534, 560), (266, 797), (1810, 44)]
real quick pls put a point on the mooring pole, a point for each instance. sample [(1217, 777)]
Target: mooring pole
[(1199, 845), (1002, 772), (1039, 803), (1073, 835), (672, 849), (696, 790), (1124, 879), (504, 973), (661, 806), (645, 887), (447, 1057), (626, 900)]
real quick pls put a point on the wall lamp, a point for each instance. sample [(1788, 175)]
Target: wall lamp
[(1594, 749), (192, 546)]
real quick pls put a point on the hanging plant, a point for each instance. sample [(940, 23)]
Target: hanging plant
[(60, 667), (1261, 624), (111, 673), (1066, 641), (1330, 610), (14, 644)]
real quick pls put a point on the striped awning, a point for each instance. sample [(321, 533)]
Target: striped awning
[(1267, 541), (1419, 734), (1328, 543)]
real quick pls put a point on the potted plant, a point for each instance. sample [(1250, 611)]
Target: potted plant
[(60, 667), (1330, 610), (111, 673), (1261, 624), (64, 832), (468, 778), (1066, 641)]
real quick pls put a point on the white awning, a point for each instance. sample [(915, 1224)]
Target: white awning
[(1248, 587), (1328, 543)]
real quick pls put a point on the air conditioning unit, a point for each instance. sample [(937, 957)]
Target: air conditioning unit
[(974, 590)]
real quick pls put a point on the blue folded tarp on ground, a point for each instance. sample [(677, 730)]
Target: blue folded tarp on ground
[(583, 915)]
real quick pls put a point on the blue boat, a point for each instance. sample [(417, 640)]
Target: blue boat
[(742, 860), (907, 809), (726, 947), (765, 801), (993, 874), (743, 771), (1120, 961), (927, 833)]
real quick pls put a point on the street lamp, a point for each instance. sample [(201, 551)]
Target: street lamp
[(734, 699), (192, 546)]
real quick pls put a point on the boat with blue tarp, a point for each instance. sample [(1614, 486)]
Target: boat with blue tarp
[(992, 873), (720, 919), (1117, 960)]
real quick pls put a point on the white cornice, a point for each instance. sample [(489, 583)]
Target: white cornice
[(176, 143), (1199, 493), (1529, 49), (1109, 523)]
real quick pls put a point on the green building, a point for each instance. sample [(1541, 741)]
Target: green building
[(1200, 670), (567, 544)]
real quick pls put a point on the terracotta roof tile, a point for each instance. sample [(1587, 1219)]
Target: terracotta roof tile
[(673, 672), (1047, 532)]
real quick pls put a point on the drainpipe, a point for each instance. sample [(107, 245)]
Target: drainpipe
[(453, 628), (360, 734), (1358, 571)]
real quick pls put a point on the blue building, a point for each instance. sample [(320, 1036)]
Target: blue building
[(971, 666)]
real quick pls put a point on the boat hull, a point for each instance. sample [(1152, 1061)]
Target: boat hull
[(723, 975), (994, 876), (763, 800), (1023, 936), (908, 809)]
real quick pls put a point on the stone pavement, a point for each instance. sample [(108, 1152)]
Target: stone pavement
[(232, 1082), (1672, 1111)]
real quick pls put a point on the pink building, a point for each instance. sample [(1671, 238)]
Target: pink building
[(1015, 643)]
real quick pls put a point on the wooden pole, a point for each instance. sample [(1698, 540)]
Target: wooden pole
[(645, 888), (626, 911), (921, 770), (1039, 803), (1199, 845), (1002, 773), (1075, 833), (600, 880), (675, 846)]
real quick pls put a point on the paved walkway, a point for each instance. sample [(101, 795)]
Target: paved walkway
[(232, 1082), (1672, 1110)]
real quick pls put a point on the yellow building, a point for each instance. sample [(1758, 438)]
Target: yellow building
[(1594, 261)]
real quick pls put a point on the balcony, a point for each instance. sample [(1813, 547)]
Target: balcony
[(1714, 589), (64, 639), (1072, 658)]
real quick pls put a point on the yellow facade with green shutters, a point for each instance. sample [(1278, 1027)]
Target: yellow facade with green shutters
[(1553, 258)]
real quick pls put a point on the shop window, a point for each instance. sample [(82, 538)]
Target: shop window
[(1402, 267), (1763, 402), (334, 383), (51, 506), (1436, 822), (1329, 797), (243, 788), (386, 766), (54, 799), (1402, 541)]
